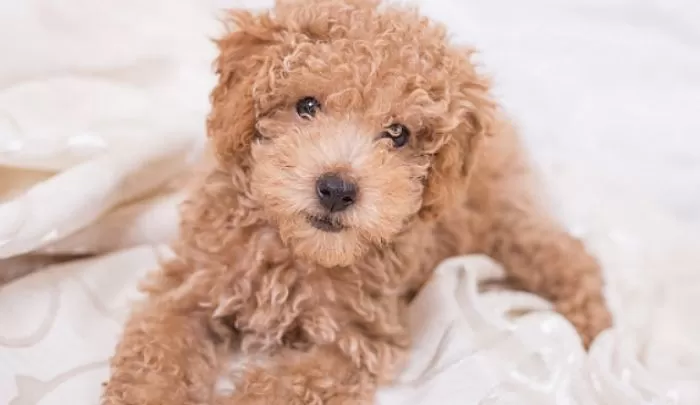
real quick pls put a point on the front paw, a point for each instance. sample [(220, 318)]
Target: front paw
[(589, 316)]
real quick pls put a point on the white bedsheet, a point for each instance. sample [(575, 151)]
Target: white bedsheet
[(102, 107)]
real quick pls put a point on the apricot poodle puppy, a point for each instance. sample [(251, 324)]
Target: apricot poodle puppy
[(354, 148)]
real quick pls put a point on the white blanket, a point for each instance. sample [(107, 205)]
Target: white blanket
[(102, 107)]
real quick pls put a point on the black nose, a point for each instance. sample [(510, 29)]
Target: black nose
[(335, 193)]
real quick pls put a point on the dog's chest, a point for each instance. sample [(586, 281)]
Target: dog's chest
[(275, 300), (295, 307)]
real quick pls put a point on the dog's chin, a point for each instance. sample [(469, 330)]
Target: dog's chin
[(324, 241)]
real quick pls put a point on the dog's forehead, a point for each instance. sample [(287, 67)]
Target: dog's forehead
[(361, 74), (381, 53), (376, 59)]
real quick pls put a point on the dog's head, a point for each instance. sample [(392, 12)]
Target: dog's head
[(350, 120)]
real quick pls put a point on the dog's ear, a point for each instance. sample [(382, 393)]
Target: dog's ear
[(472, 118), (242, 59)]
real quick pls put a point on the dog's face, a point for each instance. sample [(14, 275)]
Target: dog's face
[(350, 122)]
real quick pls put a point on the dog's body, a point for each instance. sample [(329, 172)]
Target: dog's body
[(313, 230)]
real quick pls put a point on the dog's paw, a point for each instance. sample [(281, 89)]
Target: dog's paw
[(590, 317)]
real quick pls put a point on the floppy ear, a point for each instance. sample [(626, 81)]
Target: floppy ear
[(473, 118), (231, 122)]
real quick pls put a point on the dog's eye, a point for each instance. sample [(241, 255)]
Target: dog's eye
[(398, 133), (307, 107)]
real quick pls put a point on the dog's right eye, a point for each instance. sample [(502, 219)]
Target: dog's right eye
[(307, 107)]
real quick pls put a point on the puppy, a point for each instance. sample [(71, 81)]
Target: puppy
[(354, 149)]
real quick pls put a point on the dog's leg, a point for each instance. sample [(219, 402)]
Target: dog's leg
[(541, 258), (166, 356), (538, 255), (322, 375)]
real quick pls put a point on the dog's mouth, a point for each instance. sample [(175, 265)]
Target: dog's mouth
[(325, 223)]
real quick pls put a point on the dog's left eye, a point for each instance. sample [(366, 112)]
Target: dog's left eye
[(307, 107), (398, 133)]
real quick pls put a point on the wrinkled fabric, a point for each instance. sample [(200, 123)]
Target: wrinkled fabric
[(102, 111), (100, 106)]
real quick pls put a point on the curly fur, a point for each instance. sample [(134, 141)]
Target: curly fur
[(328, 310)]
